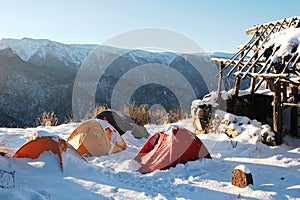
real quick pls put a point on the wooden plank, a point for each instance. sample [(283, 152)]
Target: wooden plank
[(291, 104), (219, 60)]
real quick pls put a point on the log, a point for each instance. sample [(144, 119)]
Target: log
[(241, 176)]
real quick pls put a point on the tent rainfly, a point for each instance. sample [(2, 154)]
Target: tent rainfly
[(96, 138), (42, 141), (166, 149)]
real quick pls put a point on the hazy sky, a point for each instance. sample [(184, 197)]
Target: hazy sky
[(216, 25)]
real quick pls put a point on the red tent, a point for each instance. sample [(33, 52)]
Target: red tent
[(166, 149)]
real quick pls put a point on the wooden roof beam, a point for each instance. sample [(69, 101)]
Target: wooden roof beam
[(229, 62), (285, 23), (257, 75)]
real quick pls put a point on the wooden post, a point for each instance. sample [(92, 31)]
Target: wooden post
[(237, 84), (253, 81), (237, 88), (252, 86), (236, 93), (284, 92), (294, 113), (253, 71), (277, 114), (280, 116), (220, 80), (238, 80)]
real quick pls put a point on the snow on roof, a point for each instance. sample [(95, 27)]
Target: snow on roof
[(267, 92), (261, 27), (285, 41), (210, 99)]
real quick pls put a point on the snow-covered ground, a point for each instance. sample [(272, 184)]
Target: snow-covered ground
[(275, 170)]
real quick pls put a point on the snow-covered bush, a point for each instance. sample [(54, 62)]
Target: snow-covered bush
[(47, 119)]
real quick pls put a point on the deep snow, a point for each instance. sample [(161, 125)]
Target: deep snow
[(275, 170)]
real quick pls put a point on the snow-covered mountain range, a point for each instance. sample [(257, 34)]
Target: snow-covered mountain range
[(28, 48), (38, 75)]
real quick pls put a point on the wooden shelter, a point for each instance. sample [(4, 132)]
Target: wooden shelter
[(272, 57)]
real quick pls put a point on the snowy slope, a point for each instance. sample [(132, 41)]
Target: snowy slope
[(165, 58), (275, 171)]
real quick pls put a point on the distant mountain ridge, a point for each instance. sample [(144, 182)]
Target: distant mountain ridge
[(38, 75), (27, 48)]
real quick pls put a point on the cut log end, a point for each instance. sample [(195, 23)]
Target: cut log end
[(241, 179)]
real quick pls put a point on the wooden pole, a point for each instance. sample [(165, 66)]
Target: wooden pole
[(275, 100), (236, 93), (220, 80), (237, 89), (238, 80), (280, 116), (294, 113), (253, 71), (237, 85), (253, 81)]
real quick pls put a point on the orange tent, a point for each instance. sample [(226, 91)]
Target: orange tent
[(41, 142), (96, 138)]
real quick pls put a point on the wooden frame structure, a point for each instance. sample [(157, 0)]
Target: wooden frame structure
[(253, 61)]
